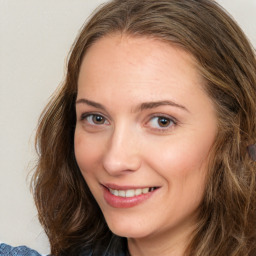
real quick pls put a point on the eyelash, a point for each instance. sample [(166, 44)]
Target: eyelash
[(86, 116), (171, 121)]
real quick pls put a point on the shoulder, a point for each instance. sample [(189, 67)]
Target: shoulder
[(7, 250), (115, 247)]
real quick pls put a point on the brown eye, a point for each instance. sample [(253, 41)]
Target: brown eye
[(163, 122), (97, 119)]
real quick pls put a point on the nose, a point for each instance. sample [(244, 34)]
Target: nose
[(122, 153)]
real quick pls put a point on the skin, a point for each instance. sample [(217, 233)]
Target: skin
[(125, 143)]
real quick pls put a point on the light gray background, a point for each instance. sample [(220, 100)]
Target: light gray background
[(35, 38)]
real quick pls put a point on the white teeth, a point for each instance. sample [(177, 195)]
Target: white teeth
[(145, 190), (138, 191), (130, 192), (121, 193)]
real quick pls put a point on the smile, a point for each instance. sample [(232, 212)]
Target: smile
[(131, 192), (126, 196)]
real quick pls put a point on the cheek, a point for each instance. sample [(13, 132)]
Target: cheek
[(87, 152), (182, 156), (183, 165), (185, 173)]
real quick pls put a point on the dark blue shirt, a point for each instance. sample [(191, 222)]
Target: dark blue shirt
[(8, 250), (116, 247)]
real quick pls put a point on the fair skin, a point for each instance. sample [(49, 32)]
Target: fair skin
[(144, 122)]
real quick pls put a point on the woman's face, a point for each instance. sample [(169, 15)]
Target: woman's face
[(144, 130)]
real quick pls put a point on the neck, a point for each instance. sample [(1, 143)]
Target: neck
[(166, 244)]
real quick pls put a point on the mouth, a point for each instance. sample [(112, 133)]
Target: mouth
[(126, 196), (131, 192)]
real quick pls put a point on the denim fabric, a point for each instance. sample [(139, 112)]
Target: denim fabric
[(7, 250), (116, 247)]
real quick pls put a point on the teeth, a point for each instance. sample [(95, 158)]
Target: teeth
[(121, 193), (131, 192), (145, 190), (138, 191)]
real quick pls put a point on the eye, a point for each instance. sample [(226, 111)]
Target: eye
[(95, 119), (161, 122)]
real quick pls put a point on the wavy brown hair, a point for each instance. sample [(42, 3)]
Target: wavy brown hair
[(226, 61)]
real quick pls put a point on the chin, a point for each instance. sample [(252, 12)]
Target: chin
[(128, 229), (129, 233)]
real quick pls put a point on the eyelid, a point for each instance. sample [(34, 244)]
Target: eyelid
[(164, 115), (84, 115), (162, 129)]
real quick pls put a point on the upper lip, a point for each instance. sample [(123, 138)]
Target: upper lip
[(126, 187)]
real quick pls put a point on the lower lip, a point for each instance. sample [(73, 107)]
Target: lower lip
[(125, 202)]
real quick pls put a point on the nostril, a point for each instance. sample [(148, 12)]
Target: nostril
[(121, 154), (120, 163)]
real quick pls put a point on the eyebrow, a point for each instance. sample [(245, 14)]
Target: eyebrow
[(90, 103), (155, 104), (141, 107)]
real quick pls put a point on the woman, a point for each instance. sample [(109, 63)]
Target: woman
[(144, 149)]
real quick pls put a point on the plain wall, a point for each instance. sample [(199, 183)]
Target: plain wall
[(35, 38)]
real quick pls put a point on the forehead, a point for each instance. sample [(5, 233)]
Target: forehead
[(136, 49), (133, 56), (139, 69)]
